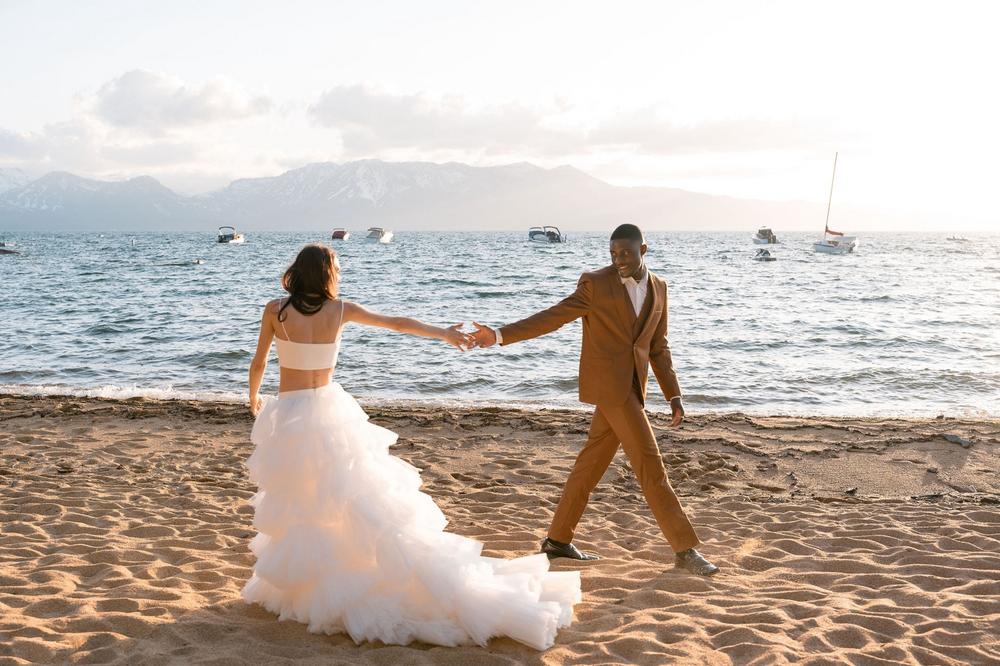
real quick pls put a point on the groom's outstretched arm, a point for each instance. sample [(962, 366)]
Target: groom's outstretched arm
[(572, 307)]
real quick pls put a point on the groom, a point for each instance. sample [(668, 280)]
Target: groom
[(624, 310)]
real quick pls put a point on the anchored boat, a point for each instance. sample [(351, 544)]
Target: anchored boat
[(229, 235), (379, 235), (547, 234), (834, 242)]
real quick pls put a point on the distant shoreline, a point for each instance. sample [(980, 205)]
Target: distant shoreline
[(210, 230)]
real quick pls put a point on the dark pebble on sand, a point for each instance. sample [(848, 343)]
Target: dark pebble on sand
[(959, 440)]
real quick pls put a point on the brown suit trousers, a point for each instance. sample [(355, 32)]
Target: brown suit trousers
[(624, 425)]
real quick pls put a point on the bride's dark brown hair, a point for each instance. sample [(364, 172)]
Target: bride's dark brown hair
[(311, 280)]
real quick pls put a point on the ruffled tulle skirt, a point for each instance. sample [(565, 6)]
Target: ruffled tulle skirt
[(347, 542)]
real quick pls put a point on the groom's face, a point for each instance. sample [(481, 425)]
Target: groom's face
[(626, 255)]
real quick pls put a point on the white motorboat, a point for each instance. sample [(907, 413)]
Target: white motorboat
[(958, 239), (765, 236), (379, 235), (834, 242), (547, 234), (229, 235), (340, 234)]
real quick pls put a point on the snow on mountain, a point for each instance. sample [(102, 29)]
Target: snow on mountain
[(65, 200), (403, 194), (368, 180), (12, 178)]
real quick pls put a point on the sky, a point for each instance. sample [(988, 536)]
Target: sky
[(745, 99)]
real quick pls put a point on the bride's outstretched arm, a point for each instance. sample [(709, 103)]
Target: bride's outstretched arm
[(259, 363), (361, 315)]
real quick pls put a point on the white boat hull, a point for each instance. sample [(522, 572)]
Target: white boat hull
[(384, 237), (763, 241), (844, 245)]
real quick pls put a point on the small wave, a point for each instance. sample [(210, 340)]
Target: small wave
[(852, 329), (214, 357), (121, 392), (455, 282), (105, 329)]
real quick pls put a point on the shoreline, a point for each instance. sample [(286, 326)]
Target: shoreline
[(126, 527), (657, 404)]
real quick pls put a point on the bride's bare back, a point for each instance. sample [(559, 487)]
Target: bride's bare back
[(322, 327)]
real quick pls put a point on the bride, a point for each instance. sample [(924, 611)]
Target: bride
[(346, 540)]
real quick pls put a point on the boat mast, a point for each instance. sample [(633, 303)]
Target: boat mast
[(826, 225)]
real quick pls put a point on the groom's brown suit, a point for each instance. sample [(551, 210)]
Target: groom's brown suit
[(618, 349)]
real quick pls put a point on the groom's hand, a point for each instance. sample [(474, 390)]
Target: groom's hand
[(677, 411), (483, 335)]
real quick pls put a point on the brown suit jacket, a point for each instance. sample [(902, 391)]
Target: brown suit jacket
[(616, 347)]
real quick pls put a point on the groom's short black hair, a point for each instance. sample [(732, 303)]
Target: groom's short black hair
[(628, 232)]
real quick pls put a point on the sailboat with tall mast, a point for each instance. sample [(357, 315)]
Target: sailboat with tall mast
[(834, 242)]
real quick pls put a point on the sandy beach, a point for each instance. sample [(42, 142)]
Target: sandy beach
[(124, 528)]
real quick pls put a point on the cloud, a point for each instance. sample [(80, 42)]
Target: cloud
[(86, 146), (153, 154), (370, 120), (145, 122), (21, 146), (155, 103), (645, 132)]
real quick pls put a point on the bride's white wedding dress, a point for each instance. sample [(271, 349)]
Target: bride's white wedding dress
[(347, 542)]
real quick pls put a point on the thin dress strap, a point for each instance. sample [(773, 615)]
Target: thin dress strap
[(281, 322), (340, 324)]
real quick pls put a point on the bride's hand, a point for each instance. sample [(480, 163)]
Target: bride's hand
[(255, 404), (454, 337)]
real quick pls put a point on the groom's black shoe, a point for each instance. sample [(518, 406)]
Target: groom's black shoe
[(556, 549)]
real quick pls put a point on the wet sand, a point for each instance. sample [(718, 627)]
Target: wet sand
[(124, 528)]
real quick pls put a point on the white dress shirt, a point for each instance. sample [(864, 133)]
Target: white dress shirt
[(637, 290)]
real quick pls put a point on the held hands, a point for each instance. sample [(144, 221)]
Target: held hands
[(483, 336), (456, 338)]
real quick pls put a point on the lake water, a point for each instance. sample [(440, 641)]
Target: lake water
[(909, 324)]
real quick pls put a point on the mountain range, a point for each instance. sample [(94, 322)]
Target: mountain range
[(397, 195)]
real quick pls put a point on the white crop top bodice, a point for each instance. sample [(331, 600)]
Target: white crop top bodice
[(308, 355)]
